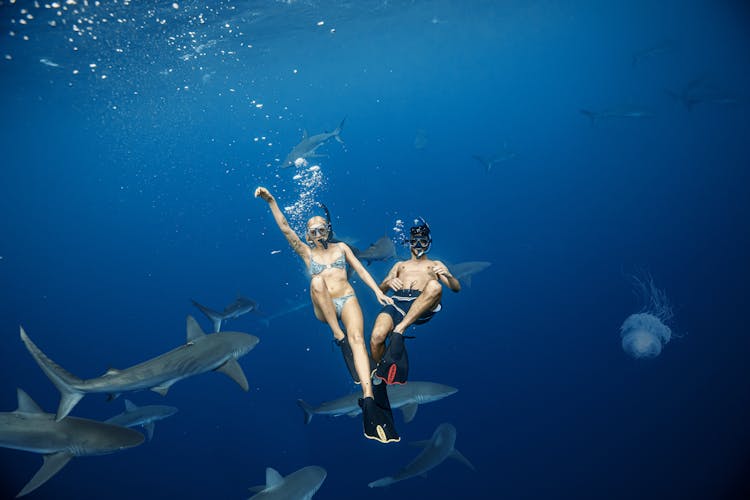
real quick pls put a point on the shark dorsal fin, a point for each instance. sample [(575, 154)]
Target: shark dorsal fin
[(129, 406), (26, 404), (111, 371), (304, 134), (273, 478), (194, 331)]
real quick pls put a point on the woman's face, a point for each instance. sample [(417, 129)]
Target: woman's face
[(317, 229)]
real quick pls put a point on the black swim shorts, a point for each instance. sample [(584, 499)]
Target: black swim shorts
[(403, 300)]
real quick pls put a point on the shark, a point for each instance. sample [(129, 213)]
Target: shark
[(201, 353), (463, 271), (490, 161), (665, 47), (29, 428), (145, 416), (309, 144), (287, 310), (382, 250), (407, 397), (436, 449), (299, 485), (700, 90), (241, 305), (616, 113)]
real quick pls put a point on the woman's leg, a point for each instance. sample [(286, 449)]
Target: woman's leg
[(323, 306), (351, 316)]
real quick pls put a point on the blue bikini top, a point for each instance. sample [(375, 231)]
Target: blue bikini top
[(317, 268)]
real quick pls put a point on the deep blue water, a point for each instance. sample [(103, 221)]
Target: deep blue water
[(126, 190)]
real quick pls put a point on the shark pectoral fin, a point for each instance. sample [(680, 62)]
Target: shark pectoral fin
[(233, 370), (353, 413), (67, 402), (457, 455), (163, 389), (420, 444), (309, 410), (149, 426), (130, 406), (409, 411), (52, 465)]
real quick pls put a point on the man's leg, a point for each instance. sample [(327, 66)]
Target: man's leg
[(427, 301), (383, 326)]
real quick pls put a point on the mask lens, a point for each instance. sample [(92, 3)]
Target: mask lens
[(318, 231), (419, 241)]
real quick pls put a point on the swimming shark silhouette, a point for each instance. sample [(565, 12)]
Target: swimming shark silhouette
[(201, 353), (145, 416), (463, 271), (241, 305), (436, 449), (407, 397), (309, 144), (29, 428), (594, 116), (382, 250), (299, 485)]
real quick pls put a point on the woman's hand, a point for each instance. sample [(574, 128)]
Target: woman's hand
[(384, 299), (264, 193)]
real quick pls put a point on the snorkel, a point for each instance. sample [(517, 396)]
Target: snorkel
[(420, 239)]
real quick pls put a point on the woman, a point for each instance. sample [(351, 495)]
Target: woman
[(333, 298)]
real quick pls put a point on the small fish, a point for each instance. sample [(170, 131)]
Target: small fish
[(274, 252)]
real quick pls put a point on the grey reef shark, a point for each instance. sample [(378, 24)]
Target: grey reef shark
[(201, 353), (382, 250), (240, 306), (436, 449), (144, 416), (307, 147), (406, 397), (299, 485), (29, 428)]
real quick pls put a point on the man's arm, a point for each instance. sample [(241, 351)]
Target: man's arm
[(386, 284), (446, 277)]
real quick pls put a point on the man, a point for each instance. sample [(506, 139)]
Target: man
[(417, 284)]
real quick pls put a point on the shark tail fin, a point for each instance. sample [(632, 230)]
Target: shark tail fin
[(215, 317), (591, 115), (386, 481), (309, 410), (63, 380), (337, 132)]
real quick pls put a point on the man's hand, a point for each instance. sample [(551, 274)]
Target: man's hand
[(441, 270), (264, 193), (396, 284)]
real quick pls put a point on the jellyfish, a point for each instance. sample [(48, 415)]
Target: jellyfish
[(646, 332)]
